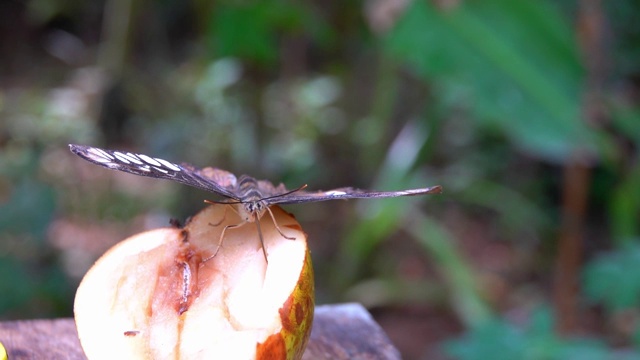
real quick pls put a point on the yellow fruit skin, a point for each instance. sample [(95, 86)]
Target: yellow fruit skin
[(3, 352), (296, 316), (300, 320)]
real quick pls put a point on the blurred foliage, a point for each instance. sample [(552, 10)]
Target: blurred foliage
[(613, 280), (498, 339), (490, 99), (252, 30), (513, 65)]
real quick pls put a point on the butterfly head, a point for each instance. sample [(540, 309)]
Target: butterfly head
[(251, 211)]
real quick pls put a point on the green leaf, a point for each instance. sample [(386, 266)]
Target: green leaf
[(513, 65), (499, 339), (624, 206), (244, 31), (251, 30), (614, 278)]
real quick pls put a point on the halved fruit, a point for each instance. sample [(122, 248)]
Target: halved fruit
[(160, 294)]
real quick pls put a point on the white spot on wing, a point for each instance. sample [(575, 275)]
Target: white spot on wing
[(335, 193), (99, 153), (133, 158), (161, 170), (122, 157), (171, 166), (96, 158), (149, 160)]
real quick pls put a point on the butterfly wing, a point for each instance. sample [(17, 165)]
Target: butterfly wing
[(209, 179), (347, 193)]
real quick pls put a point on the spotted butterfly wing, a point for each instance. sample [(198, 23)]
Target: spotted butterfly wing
[(213, 180), (223, 182), (253, 196), (348, 193)]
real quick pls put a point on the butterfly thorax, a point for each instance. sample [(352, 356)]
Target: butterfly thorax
[(252, 205)]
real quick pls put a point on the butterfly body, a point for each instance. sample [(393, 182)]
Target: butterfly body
[(250, 198), (250, 205)]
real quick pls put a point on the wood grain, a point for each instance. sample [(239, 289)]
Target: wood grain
[(342, 331)]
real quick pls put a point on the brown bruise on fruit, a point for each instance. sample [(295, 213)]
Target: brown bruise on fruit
[(296, 316), (185, 236), (272, 348), (299, 321), (177, 282)]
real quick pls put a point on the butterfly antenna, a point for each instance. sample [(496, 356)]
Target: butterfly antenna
[(264, 251), (224, 202), (287, 193)]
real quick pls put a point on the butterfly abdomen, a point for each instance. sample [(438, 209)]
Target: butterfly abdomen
[(248, 189)]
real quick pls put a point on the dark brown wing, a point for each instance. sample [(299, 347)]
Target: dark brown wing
[(221, 177), (213, 180), (267, 189), (347, 193)]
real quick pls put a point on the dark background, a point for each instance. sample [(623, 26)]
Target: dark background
[(526, 112)]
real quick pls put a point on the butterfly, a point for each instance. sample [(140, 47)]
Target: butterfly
[(251, 198)]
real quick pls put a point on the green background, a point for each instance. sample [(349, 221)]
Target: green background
[(526, 112)]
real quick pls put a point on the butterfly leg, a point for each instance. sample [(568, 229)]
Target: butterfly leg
[(224, 216), (222, 239), (278, 227)]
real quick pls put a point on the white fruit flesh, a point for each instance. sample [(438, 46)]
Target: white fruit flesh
[(152, 296)]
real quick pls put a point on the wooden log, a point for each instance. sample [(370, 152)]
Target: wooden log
[(343, 331)]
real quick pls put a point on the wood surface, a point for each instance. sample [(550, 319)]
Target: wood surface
[(342, 331)]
